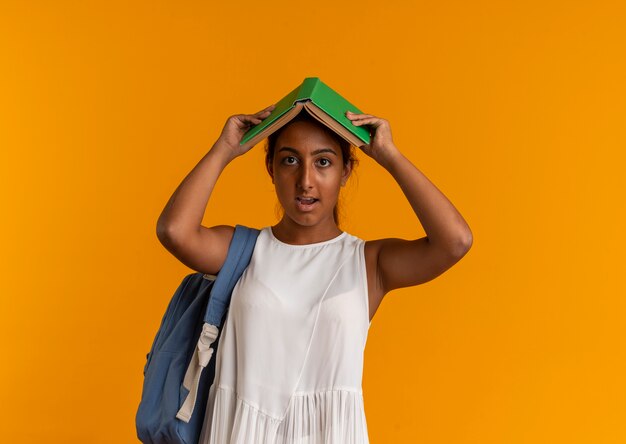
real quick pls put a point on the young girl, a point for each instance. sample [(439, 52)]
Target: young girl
[(290, 357)]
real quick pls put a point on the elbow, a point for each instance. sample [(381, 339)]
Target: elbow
[(164, 233), (170, 235), (458, 245), (464, 243)]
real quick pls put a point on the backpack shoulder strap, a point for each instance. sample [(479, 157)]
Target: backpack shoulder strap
[(238, 257)]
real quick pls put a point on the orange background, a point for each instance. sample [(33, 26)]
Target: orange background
[(516, 112)]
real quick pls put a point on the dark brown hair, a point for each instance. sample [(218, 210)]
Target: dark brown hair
[(347, 150)]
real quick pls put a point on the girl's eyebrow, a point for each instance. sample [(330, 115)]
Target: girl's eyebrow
[(321, 150)]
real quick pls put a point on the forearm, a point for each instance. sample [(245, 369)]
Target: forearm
[(444, 225), (185, 209)]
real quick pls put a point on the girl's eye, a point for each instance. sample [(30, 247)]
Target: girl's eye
[(291, 160), (286, 160)]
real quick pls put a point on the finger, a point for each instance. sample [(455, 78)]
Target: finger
[(352, 115), (262, 114), (367, 121), (362, 118), (267, 109), (248, 119), (254, 119)]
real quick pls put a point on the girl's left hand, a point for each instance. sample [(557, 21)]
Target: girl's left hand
[(381, 145)]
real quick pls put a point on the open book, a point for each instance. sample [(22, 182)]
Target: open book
[(319, 100)]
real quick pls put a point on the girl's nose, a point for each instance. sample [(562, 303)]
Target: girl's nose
[(306, 177)]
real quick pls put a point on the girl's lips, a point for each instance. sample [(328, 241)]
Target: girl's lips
[(305, 206)]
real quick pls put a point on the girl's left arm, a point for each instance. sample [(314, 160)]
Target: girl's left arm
[(404, 263)]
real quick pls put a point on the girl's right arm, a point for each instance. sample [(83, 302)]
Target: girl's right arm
[(179, 227)]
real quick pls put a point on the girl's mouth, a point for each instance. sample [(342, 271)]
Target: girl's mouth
[(305, 204)]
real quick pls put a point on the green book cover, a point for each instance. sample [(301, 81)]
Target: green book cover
[(324, 97)]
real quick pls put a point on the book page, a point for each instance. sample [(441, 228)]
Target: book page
[(279, 123), (331, 123)]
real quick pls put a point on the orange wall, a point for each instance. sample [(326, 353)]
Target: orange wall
[(515, 111)]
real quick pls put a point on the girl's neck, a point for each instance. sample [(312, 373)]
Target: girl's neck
[(296, 234)]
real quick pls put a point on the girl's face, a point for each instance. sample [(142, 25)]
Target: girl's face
[(308, 163)]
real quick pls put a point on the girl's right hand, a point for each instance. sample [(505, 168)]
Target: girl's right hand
[(234, 129)]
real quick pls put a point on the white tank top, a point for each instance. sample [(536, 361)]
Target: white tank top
[(289, 362)]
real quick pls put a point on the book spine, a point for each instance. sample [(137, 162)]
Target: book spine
[(308, 88)]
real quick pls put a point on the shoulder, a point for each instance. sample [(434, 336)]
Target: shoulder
[(203, 250)]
